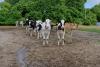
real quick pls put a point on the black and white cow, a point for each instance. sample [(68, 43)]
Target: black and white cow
[(19, 24), (30, 27), (61, 32), (39, 28), (46, 28), (43, 29)]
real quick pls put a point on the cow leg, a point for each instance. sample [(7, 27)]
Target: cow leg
[(58, 34), (59, 42), (44, 42), (63, 35), (44, 38), (26, 30), (71, 36), (38, 35), (22, 25), (31, 33), (34, 32), (59, 39), (48, 34), (63, 42), (17, 25)]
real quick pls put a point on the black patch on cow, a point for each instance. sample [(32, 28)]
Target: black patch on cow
[(27, 22), (40, 27), (33, 24), (60, 27)]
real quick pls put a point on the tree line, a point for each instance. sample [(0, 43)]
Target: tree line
[(72, 11)]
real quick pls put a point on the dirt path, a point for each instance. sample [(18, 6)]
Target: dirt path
[(83, 52)]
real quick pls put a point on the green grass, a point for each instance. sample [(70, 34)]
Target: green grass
[(98, 42), (90, 28)]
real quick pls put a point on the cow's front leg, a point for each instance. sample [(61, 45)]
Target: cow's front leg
[(47, 37), (44, 38), (22, 25), (26, 30), (48, 34), (63, 36), (59, 41), (58, 35), (44, 42), (31, 33), (38, 35), (71, 34), (35, 32)]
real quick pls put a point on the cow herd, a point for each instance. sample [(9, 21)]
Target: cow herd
[(42, 29)]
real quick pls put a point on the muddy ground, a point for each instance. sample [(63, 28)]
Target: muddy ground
[(84, 51)]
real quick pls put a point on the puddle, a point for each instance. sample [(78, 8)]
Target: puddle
[(21, 57)]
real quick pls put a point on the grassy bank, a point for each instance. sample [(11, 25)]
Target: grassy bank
[(90, 28)]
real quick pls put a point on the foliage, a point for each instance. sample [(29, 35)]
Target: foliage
[(70, 10), (12, 2), (4, 9), (90, 18), (96, 10)]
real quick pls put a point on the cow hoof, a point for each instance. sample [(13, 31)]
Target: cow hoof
[(43, 43), (58, 43), (63, 44)]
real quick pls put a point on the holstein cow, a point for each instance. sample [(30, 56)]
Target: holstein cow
[(30, 27), (27, 25), (19, 24), (46, 28), (39, 28), (22, 24), (61, 32)]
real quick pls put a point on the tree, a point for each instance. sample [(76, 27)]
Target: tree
[(69, 10), (96, 10), (90, 18), (12, 2), (4, 11)]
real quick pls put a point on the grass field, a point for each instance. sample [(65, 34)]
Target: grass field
[(90, 28)]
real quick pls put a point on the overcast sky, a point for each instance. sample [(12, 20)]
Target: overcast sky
[(88, 4), (1, 0), (91, 3)]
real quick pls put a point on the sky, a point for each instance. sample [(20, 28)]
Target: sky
[(89, 4), (1, 0)]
